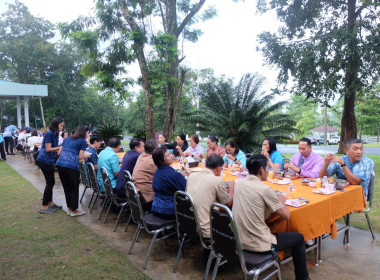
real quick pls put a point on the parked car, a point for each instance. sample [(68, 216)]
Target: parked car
[(316, 139), (333, 140)]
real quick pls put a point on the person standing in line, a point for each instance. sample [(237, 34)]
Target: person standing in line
[(73, 149), (45, 161), (2, 152), (8, 134)]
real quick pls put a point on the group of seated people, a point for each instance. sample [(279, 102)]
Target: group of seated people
[(252, 201)]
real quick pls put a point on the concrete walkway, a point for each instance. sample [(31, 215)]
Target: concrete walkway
[(361, 260)]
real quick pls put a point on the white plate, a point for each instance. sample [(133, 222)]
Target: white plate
[(295, 202), (323, 191)]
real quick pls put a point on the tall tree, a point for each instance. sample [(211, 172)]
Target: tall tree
[(130, 28), (327, 47)]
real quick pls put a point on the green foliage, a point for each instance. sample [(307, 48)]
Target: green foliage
[(107, 131), (241, 113), (368, 111)]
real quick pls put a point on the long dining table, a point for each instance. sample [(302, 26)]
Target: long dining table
[(317, 217)]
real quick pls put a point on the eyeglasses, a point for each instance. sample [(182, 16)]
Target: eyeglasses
[(208, 143)]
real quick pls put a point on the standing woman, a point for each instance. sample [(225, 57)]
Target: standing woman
[(45, 161), (269, 150), (73, 149), (234, 154)]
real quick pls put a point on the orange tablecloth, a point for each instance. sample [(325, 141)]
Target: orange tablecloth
[(319, 215), (121, 155)]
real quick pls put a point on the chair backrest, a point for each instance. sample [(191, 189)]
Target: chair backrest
[(92, 175), (187, 217), (127, 176), (371, 186), (107, 183), (83, 174), (134, 203)]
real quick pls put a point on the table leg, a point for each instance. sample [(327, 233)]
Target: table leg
[(346, 239)]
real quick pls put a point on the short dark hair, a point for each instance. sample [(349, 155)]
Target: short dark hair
[(214, 161), (135, 142), (95, 138), (63, 133), (34, 133), (80, 132), (114, 142), (214, 139), (255, 162), (158, 156), (163, 135), (55, 123), (351, 141), (272, 145), (150, 145), (233, 145), (307, 140), (195, 138)]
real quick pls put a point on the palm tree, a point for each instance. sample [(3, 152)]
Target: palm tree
[(242, 113)]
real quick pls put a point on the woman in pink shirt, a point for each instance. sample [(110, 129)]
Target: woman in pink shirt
[(213, 147)]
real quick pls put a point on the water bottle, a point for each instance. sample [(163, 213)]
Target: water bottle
[(290, 189), (324, 181)]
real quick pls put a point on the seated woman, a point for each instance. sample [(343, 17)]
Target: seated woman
[(166, 181), (269, 150), (195, 149), (179, 145), (163, 141), (214, 148), (234, 155)]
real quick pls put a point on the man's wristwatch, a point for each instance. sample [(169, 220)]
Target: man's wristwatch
[(299, 172), (342, 165)]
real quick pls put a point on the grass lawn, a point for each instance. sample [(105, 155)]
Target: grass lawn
[(372, 145), (375, 212), (36, 246)]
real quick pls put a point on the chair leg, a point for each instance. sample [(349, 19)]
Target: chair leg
[(118, 217), (137, 232), (96, 198), (179, 253), (109, 208), (216, 267), (101, 211), (150, 249), (84, 191), (129, 220), (92, 197), (346, 239), (210, 258), (370, 226)]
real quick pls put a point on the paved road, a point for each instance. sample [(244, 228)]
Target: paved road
[(292, 149)]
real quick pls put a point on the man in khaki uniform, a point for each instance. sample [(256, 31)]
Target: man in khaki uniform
[(254, 203), (207, 187)]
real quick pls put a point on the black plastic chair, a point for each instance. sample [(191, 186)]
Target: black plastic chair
[(111, 198), (225, 243), (160, 228), (94, 184), (188, 227), (371, 186), (83, 179), (127, 178)]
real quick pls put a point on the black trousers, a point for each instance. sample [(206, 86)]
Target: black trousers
[(70, 182), (295, 241), (2, 152), (9, 143), (48, 171)]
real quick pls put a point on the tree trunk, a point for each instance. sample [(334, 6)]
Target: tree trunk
[(325, 124), (360, 131), (348, 124)]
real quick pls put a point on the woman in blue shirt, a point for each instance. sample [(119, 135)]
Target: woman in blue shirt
[(234, 154), (166, 181), (73, 148), (45, 161), (269, 150)]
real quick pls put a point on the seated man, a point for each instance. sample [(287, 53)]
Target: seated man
[(254, 203), (143, 174), (207, 187), (136, 146), (306, 163), (95, 142), (110, 161), (353, 167)]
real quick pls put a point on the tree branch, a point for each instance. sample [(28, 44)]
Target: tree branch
[(162, 15), (358, 11), (188, 17)]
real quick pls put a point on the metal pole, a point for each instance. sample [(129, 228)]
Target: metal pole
[(42, 114)]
